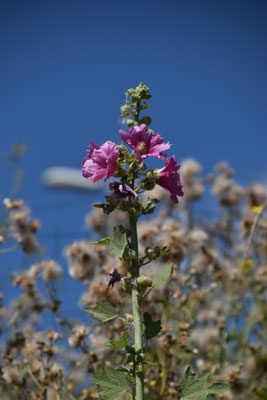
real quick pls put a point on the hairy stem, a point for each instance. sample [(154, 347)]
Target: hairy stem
[(137, 313)]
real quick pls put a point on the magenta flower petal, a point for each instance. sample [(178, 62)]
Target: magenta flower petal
[(144, 143), (101, 161), (169, 179)]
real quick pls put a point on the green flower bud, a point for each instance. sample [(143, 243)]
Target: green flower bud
[(156, 251), (139, 368), (130, 92), (149, 182), (145, 105), (121, 168), (145, 120), (129, 254), (133, 166), (130, 122), (127, 284), (142, 166), (129, 317), (149, 251), (150, 174), (146, 96), (144, 281), (135, 97)]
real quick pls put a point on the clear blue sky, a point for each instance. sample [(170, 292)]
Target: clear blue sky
[(65, 65)]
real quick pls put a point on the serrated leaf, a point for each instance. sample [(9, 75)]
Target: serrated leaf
[(218, 387), (121, 369), (103, 311), (163, 275), (152, 328), (187, 380), (194, 389), (118, 242), (105, 240), (149, 205), (117, 344), (197, 385), (112, 385)]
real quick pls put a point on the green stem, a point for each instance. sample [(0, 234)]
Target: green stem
[(137, 313), (138, 109)]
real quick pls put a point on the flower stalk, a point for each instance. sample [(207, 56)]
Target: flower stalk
[(129, 167), (137, 314)]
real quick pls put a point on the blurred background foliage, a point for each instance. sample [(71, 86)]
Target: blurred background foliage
[(213, 309)]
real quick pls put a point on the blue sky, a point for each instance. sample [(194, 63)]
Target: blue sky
[(65, 65)]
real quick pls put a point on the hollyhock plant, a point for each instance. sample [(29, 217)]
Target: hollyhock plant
[(135, 179), (101, 161), (144, 143), (169, 179)]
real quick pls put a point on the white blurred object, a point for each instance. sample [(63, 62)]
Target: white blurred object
[(68, 178)]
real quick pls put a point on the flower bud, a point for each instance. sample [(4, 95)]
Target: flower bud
[(130, 92), (149, 182), (142, 166), (127, 284), (145, 120), (144, 281), (129, 254), (149, 251), (135, 97), (130, 122), (156, 252), (133, 166), (129, 317), (139, 368)]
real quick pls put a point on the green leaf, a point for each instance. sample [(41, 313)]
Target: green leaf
[(146, 362), (118, 243), (163, 275), (103, 311), (194, 389), (105, 240), (187, 380), (218, 387), (117, 344), (112, 385), (152, 328), (149, 205), (107, 208)]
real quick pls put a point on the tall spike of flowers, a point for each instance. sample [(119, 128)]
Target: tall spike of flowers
[(111, 160)]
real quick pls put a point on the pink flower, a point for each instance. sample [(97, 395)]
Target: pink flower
[(169, 179), (101, 161), (144, 143)]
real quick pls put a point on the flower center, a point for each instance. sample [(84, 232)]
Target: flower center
[(142, 148)]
